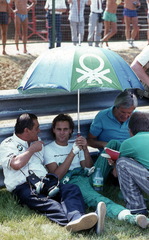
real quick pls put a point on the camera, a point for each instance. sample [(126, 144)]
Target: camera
[(49, 186)]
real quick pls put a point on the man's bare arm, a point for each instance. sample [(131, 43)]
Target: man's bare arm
[(29, 7), (93, 142), (61, 170), (21, 160), (140, 72)]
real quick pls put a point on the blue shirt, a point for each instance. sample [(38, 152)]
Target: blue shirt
[(106, 127)]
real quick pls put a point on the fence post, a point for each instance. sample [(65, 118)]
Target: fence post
[(53, 23)]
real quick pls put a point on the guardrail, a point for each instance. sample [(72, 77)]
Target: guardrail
[(13, 103)]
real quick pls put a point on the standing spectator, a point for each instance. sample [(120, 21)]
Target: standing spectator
[(76, 18), (60, 7), (140, 66), (95, 23), (147, 2), (130, 16), (110, 20), (21, 19), (5, 19)]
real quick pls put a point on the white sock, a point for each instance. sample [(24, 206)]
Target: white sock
[(123, 214)]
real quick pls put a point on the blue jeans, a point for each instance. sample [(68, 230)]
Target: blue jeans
[(57, 29), (61, 209)]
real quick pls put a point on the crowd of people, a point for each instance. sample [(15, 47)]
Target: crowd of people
[(98, 21), (56, 179)]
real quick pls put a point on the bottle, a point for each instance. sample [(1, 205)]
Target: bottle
[(98, 181)]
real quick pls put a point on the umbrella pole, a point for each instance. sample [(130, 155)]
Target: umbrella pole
[(79, 39), (78, 112)]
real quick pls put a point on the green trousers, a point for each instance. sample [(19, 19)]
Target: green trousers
[(91, 197)]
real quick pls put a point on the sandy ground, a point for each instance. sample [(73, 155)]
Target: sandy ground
[(36, 49), (13, 67)]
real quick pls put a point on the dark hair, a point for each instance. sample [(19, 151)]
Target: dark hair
[(24, 121), (139, 122), (62, 118), (126, 99)]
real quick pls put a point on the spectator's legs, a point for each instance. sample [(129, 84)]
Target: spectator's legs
[(24, 33), (74, 32), (107, 33), (127, 27), (50, 29), (98, 31), (133, 176), (81, 30), (58, 29), (93, 18), (135, 27), (17, 22), (4, 28)]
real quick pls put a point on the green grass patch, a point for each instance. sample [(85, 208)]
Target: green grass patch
[(20, 223)]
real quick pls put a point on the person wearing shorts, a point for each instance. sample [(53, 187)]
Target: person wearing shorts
[(130, 16), (5, 19), (21, 20), (110, 20)]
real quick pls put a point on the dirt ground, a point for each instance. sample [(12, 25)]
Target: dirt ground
[(13, 67)]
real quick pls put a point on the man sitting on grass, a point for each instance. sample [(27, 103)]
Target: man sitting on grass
[(21, 156), (70, 161), (133, 164)]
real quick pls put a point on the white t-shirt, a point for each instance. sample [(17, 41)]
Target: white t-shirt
[(13, 146), (94, 6), (56, 153), (143, 57), (59, 4)]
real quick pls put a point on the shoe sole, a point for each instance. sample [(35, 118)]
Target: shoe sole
[(87, 221), (142, 221), (101, 212)]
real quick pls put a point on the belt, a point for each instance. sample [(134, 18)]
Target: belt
[(96, 12), (55, 13)]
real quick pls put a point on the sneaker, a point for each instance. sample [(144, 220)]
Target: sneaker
[(139, 219), (133, 45), (17, 52), (130, 44), (107, 47), (101, 212), (85, 222), (27, 53)]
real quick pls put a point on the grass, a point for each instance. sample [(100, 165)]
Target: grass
[(20, 223)]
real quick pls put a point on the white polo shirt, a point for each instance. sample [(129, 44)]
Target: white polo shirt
[(13, 146)]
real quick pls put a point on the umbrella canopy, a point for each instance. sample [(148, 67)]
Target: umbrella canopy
[(73, 68)]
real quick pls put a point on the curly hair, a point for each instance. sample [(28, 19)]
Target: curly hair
[(62, 118)]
